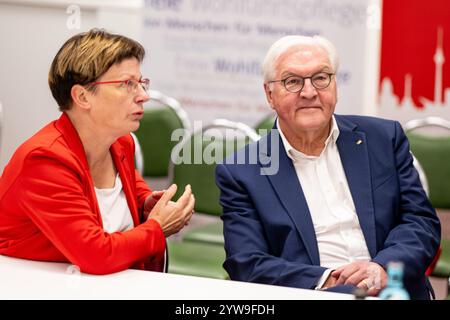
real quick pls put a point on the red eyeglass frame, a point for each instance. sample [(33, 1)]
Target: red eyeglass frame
[(142, 81)]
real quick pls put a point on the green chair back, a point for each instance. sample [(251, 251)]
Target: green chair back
[(162, 115), (154, 135), (201, 251), (195, 161), (201, 175), (433, 154)]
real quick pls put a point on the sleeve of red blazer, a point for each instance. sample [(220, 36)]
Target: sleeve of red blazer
[(142, 189), (53, 196)]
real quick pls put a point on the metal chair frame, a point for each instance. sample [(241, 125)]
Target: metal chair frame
[(165, 101), (171, 103), (425, 122), (138, 155), (420, 123)]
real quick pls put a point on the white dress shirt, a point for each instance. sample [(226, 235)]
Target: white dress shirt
[(339, 236), (116, 215)]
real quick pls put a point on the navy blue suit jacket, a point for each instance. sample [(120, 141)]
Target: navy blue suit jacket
[(269, 234)]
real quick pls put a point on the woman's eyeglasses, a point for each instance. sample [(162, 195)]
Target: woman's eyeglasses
[(131, 84)]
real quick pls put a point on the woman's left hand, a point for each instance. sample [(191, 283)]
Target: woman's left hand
[(151, 201)]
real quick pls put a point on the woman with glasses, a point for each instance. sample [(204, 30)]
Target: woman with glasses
[(71, 192)]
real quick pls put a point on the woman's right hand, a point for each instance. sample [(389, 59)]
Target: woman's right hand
[(173, 216)]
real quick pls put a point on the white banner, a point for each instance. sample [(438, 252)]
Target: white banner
[(208, 53)]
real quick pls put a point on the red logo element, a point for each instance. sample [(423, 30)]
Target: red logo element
[(415, 54)]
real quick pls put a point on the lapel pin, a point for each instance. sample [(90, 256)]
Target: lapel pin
[(359, 142)]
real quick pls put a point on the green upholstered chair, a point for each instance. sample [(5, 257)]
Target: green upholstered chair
[(200, 251), (196, 259), (442, 268), (443, 265), (162, 115), (433, 152), (209, 233), (422, 176), (201, 175)]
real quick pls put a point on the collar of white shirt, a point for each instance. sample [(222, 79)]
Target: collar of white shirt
[(295, 154)]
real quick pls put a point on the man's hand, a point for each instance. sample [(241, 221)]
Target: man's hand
[(331, 281), (173, 216), (363, 274)]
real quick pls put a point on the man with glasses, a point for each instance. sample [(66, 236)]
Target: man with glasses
[(346, 199)]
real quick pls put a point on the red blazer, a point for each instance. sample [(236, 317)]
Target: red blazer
[(49, 211)]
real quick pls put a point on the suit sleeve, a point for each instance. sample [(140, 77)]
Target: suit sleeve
[(53, 197), (416, 237), (248, 254)]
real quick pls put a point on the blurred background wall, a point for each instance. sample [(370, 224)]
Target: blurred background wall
[(205, 53)]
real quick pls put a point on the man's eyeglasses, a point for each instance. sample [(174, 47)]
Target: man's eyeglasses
[(320, 80), (131, 85)]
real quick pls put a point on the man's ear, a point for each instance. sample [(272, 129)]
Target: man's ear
[(80, 96), (268, 92), (336, 92)]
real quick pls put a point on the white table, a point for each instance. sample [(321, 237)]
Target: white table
[(25, 279)]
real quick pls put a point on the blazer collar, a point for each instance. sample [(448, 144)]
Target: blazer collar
[(118, 154), (70, 134)]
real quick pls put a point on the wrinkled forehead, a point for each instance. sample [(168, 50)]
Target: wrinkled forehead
[(303, 55)]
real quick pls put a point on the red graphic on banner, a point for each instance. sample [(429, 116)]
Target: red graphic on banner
[(415, 56)]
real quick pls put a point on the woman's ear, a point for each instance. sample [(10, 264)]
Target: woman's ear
[(80, 96)]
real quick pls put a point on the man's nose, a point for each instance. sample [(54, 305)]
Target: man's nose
[(308, 91)]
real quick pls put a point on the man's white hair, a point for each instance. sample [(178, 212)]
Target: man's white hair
[(285, 43)]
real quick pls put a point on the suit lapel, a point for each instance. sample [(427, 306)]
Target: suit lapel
[(125, 173), (289, 191), (352, 145)]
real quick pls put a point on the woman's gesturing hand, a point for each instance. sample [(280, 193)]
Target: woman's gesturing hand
[(173, 216)]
